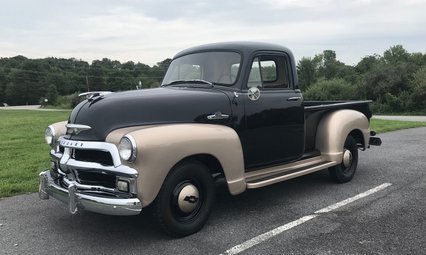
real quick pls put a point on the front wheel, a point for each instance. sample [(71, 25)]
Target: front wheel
[(345, 171), (184, 202)]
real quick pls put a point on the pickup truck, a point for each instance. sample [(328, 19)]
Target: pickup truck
[(225, 111)]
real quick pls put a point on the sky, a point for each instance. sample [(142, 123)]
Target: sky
[(149, 31)]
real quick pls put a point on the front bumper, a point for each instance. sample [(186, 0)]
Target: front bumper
[(77, 200)]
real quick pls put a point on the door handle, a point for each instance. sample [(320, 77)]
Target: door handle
[(294, 98), (217, 116)]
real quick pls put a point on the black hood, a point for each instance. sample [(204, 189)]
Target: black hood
[(146, 107)]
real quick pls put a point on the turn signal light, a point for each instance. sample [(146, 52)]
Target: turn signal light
[(123, 186)]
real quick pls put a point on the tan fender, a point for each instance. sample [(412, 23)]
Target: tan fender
[(333, 130), (160, 147)]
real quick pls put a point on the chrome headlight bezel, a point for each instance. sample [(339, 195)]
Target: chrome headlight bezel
[(49, 135), (127, 148)]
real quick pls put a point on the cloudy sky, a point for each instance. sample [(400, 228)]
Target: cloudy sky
[(149, 31)]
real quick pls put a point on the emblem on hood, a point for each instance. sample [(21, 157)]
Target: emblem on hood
[(75, 129)]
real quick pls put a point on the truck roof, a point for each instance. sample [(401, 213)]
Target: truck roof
[(246, 48)]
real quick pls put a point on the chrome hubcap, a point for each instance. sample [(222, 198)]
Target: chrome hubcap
[(188, 198), (347, 158)]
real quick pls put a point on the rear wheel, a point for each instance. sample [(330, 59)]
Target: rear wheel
[(345, 171), (184, 202)]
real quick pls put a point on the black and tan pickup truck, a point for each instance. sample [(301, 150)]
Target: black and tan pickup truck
[(225, 111)]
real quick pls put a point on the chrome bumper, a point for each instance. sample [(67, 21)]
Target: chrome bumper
[(77, 200)]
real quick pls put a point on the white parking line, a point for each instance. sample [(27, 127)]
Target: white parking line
[(265, 236), (353, 199)]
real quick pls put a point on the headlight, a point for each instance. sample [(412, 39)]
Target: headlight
[(49, 135), (127, 148)]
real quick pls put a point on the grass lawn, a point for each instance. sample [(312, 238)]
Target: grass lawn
[(381, 126), (24, 153)]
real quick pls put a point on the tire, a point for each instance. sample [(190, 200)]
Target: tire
[(344, 173), (177, 208)]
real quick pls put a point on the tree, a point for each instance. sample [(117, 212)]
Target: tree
[(57, 78), (119, 80), (96, 77), (325, 66), (78, 76), (15, 62), (52, 94), (129, 65), (3, 82), (388, 85), (417, 59), (328, 64), (25, 80), (26, 86), (368, 63), (328, 90), (159, 70), (396, 54), (307, 71), (419, 90)]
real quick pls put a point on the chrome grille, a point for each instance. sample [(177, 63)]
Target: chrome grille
[(101, 157), (95, 178)]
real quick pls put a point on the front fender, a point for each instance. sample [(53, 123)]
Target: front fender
[(333, 130), (160, 147)]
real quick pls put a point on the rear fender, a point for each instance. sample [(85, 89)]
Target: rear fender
[(333, 130)]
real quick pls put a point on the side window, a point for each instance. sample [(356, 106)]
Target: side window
[(270, 71), (255, 79)]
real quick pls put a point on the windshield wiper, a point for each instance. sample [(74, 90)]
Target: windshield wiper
[(196, 81)]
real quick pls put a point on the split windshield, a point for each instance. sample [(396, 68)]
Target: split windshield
[(215, 67)]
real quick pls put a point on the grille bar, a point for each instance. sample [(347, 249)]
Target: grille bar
[(101, 157), (90, 156)]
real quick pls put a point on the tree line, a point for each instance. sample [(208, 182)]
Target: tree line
[(395, 80), (31, 81)]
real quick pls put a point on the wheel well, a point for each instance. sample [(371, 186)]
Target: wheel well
[(210, 161), (359, 138)]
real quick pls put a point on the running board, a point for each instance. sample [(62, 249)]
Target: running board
[(265, 180)]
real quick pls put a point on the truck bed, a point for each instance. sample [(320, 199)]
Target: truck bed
[(314, 110)]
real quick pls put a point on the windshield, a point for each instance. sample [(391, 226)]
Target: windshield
[(214, 67)]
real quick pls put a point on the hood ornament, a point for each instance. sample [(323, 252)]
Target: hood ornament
[(75, 129), (91, 94)]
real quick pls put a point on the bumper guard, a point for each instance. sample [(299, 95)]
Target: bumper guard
[(77, 200)]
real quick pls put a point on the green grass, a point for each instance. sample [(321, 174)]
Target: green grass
[(381, 126), (24, 153), (421, 113)]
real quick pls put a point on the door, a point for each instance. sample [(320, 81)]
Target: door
[(274, 116)]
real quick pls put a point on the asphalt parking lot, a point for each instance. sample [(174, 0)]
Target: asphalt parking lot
[(391, 220)]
